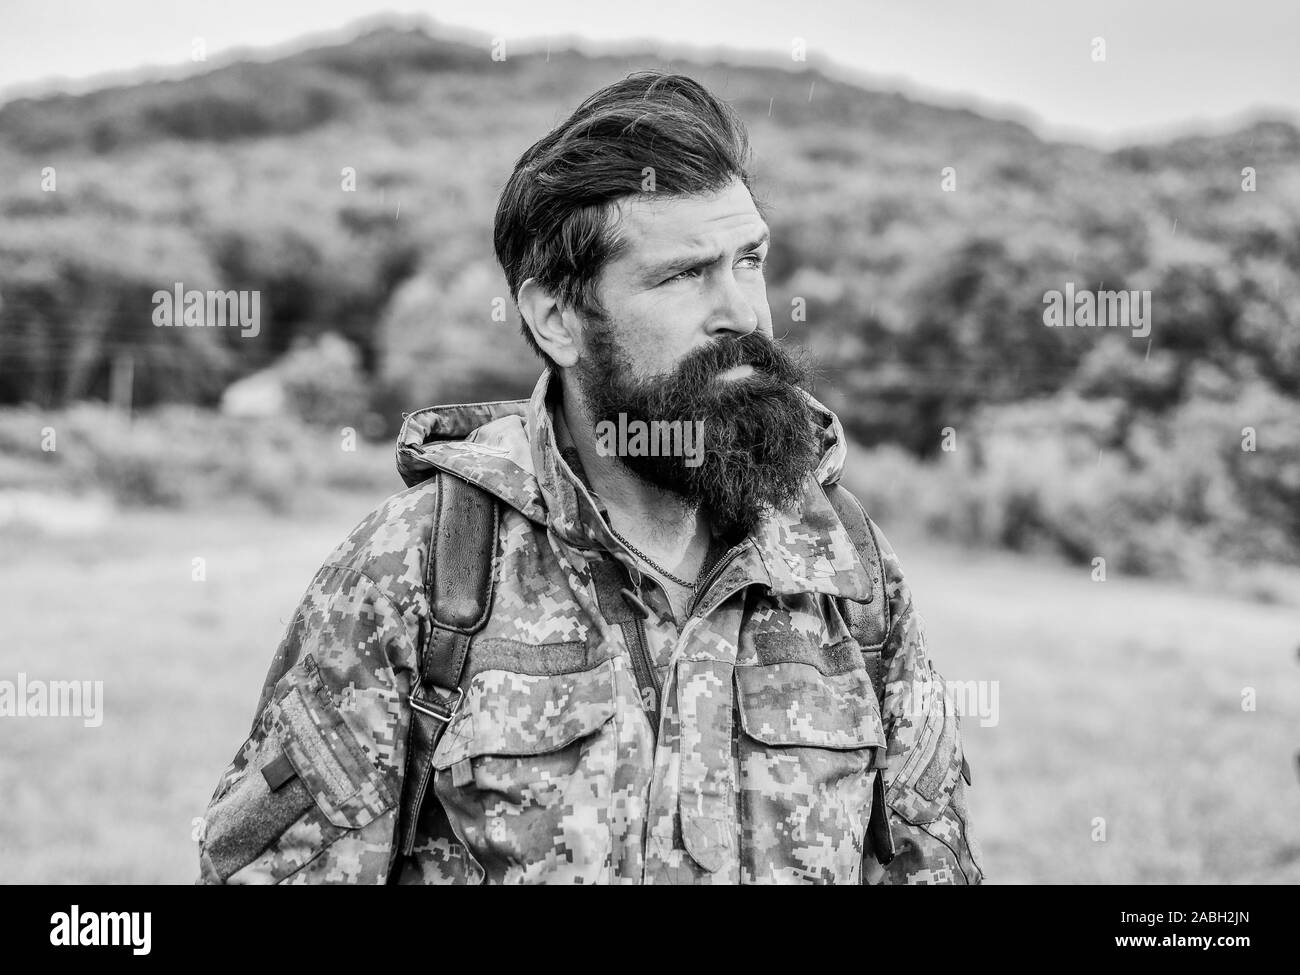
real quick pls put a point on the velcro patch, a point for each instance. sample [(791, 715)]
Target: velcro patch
[(278, 771)]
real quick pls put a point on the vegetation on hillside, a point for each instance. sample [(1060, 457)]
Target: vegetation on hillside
[(924, 304)]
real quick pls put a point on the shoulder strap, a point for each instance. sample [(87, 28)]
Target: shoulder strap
[(458, 580)]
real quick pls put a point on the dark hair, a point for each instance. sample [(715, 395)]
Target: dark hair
[(554, 221)]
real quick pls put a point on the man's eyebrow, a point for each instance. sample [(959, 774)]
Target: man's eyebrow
[(684, 261)]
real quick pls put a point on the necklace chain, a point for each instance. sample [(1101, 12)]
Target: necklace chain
[(659, 568)]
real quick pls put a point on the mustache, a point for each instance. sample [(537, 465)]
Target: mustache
[(754, 349)]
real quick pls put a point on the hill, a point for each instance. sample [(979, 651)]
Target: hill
[(352, 186)]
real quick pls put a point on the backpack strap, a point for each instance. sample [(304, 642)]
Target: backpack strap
[(458, 579), (869, 624)]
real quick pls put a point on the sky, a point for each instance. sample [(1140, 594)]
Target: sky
[(1168, 66)]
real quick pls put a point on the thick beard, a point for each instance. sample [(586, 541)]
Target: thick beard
[(759, 438)]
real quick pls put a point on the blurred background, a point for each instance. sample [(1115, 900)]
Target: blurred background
[(930, 174)]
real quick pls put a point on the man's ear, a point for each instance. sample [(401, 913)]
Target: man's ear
[(557, 331)]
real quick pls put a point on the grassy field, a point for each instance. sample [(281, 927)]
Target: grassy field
[(1119, 700)]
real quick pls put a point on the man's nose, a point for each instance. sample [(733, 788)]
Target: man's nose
[(733, 311)]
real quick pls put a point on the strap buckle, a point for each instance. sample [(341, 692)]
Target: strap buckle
[(439, 711)]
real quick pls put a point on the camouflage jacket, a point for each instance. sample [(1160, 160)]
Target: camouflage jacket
[(756, 762)]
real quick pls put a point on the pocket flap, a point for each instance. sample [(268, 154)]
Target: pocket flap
[(324, 751), (796, 704), (505, 713)]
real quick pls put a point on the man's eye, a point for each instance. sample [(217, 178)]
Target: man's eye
[(759, 262)]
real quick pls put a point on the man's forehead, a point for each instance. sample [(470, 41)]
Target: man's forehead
[(652, 226)]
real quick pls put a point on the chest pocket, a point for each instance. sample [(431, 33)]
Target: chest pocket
[(528, 771), (805, 755)]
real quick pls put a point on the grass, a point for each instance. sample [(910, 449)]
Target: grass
[(182, 663), (1118, 700)]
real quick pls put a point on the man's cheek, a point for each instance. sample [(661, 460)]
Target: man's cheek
[(650, 354)]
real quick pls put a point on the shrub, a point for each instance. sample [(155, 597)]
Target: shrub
[(183, 457)]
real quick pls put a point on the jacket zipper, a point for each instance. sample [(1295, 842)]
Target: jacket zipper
[(644, 667), (703, 588)]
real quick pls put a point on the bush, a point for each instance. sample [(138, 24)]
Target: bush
[(1171, 495), (324, 383), (184, 457)]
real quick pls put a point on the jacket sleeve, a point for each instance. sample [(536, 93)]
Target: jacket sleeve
[(927, 774), (312, 794)]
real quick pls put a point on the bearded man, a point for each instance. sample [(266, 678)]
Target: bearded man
[(561, 658)]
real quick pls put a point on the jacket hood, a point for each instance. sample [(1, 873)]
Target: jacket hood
[(508, 448)]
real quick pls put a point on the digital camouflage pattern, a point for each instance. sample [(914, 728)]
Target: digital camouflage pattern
[(755, 763)]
